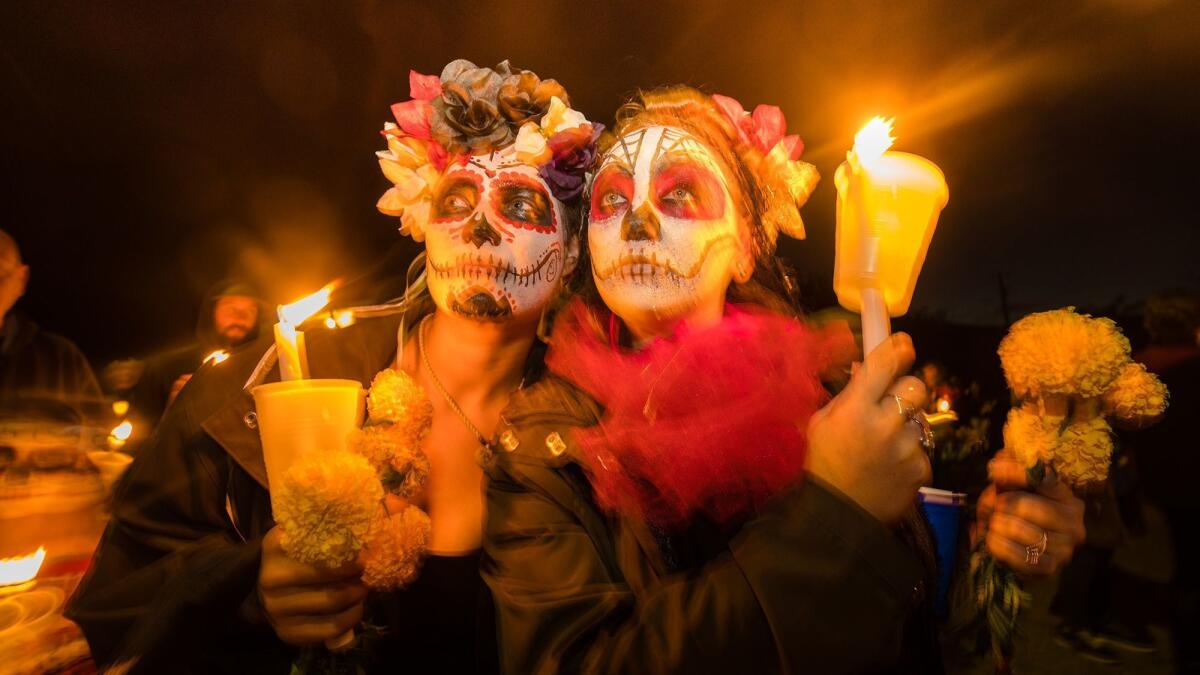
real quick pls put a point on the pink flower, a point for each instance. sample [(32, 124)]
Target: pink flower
[(414, 117), (423, 87), (765, 128)]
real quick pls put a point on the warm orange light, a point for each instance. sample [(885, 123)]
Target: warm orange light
[(943, 404), (330, 323), (344, 318), (873, 139), (298, 311), (119, 408), (23, 569), (289, 340), (122, 431), (887, 211), (217, 356)]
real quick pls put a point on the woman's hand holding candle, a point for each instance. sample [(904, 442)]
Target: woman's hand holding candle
[(862, 444)]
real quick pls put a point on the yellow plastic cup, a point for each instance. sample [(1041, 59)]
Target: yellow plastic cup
[(883, 232), (298, 417)]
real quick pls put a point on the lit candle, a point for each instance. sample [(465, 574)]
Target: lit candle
[(888, 205), (289, 341), (21, 570), (216, 357), (120, 435)]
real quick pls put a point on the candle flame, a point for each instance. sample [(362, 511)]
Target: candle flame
[(295, 313), (217, 356), (873, 139), (330, 322), (344, 318), (943, 404), (119, 408), (122, 431), (23, 569)]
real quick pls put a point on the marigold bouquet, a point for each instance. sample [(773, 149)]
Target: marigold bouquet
[(331, 507), (1071, 374)]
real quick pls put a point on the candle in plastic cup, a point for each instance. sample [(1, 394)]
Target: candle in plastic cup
[(883, 233), (298, 417)]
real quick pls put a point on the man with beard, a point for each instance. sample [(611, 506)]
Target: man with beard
[(230, 316), (191, 575)]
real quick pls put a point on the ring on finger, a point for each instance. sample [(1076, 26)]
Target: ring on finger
[(916, 417), (1033, 552)]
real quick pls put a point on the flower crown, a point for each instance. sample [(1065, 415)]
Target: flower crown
[(469, 111), (775, 157)]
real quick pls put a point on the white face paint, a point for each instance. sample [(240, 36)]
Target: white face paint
[(663, 229), (496, 240)]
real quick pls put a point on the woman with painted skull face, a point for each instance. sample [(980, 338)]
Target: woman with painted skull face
[(487, 165), (679, 494), (190, 575)]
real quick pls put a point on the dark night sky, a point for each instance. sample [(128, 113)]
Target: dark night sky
[(151, 148)]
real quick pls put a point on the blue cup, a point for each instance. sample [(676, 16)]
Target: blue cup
[(942, 508)]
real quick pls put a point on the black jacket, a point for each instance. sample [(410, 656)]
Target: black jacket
[(172, 583), (810, 584)]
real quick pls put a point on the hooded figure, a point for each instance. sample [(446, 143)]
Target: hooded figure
[(231, 315)]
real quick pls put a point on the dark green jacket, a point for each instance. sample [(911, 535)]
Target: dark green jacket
[(810, 584), (172, 583)]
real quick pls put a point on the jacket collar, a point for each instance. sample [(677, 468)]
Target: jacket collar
[(357, 352)]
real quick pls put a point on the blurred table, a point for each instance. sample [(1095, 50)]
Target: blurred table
[(63, 511)]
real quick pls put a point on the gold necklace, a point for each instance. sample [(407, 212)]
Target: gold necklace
[(483, 441)]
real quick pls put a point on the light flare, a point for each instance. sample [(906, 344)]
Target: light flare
[(216, 357), (122, 431), (873, 140), (23, 569), (295, 313)]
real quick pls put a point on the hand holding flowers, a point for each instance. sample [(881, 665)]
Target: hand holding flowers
[(334, 536)]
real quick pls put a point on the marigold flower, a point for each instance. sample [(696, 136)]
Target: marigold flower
[(326, 506), (397, 398), (1083, 452), (1029, 435), (392, 557), (1137, 398), (395, 454), (1064, 353)]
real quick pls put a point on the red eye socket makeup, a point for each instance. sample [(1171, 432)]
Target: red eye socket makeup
[(686, 190), (612, 181)]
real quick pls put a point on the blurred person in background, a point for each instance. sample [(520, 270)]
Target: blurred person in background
[(36, 365), (1169, 456), (230, 316)]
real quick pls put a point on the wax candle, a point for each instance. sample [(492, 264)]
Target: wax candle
[(289, 340)]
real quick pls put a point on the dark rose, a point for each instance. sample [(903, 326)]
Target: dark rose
[(523, 97), (573, 151), (465, 118)]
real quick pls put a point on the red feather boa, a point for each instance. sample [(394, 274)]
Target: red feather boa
[(707, 421)]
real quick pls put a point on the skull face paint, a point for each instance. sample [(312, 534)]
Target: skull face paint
[(496, 241), (662, 231)]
